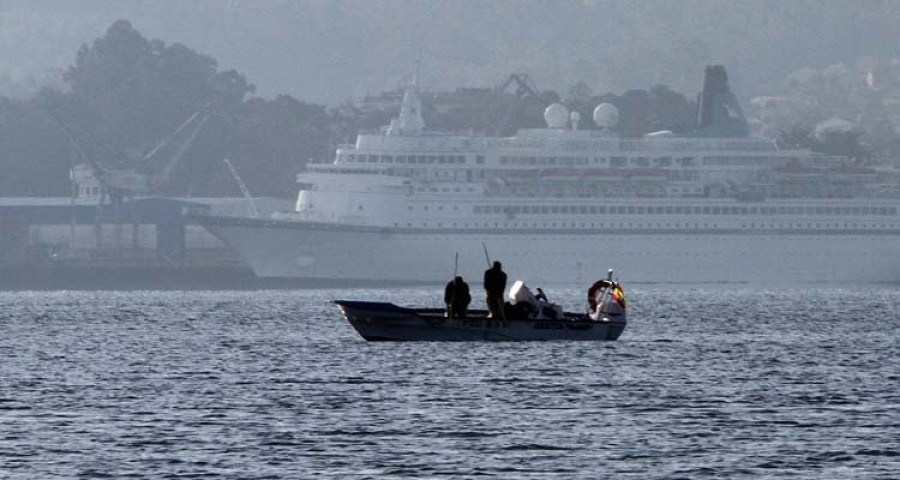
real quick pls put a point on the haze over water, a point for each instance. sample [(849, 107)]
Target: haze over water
[(706, 382)]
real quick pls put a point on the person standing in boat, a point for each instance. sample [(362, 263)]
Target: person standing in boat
[(457, 298), (494, 285)]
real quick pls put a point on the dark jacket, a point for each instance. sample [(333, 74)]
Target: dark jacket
[(494, 282), (456, 293)]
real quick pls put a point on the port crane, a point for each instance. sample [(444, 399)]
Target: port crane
[(524, 89), (524, 85), (119, 184)]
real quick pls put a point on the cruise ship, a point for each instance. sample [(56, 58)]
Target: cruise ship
[(561, 204)]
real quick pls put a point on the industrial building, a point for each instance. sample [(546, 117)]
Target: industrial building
[(138, 243)]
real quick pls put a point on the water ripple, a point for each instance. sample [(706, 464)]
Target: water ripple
[(705, 383)]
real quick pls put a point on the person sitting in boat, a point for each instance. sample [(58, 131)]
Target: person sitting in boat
[(457, 298), (494, 285)]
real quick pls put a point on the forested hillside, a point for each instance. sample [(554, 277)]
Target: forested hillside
[(327, 50), (277, 76), (124, 93)]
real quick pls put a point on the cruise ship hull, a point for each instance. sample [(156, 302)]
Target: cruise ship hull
[(373, 255)]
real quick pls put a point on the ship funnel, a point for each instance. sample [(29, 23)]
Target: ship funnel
[(718, 111)]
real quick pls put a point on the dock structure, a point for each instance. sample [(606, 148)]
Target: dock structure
[(152, 242)]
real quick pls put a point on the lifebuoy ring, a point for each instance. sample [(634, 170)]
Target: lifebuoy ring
[(595, 288)]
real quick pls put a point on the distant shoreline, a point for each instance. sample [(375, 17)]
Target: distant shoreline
[(126, 278), (165, 278), (193, 278)]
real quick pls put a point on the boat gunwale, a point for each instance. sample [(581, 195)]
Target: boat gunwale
[(427, 314)]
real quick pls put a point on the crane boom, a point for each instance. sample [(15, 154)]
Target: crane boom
[(131, 181), (193, 126), (254, 212), (95, 167)]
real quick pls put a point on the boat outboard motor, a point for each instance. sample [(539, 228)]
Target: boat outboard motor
[(523, 300), (520, 294)]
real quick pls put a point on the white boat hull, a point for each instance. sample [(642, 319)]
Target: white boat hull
[(304, 250)]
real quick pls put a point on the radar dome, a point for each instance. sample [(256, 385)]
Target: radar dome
[(556, 116), (606, 115)]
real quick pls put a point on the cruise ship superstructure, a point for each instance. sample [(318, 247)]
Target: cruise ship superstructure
[(562, 204)]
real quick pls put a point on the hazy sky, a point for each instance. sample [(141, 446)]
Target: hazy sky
[(328, 50)]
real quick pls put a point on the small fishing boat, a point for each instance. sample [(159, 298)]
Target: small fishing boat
[(527, 318)]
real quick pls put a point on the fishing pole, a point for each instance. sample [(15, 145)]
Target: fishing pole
[(486, 256)]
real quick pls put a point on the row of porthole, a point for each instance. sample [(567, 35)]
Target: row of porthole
[(440, 207), (446, 190), (410, 159), (683, 210), (555, 225), (642, 225), (823, 225)]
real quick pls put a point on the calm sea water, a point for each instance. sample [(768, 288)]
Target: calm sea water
[(706, 382)]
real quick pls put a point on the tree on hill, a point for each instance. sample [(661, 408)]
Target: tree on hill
[(847, 143), (640, 111), (270, 141), (127, 93), (34, 158), (136, 90)]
